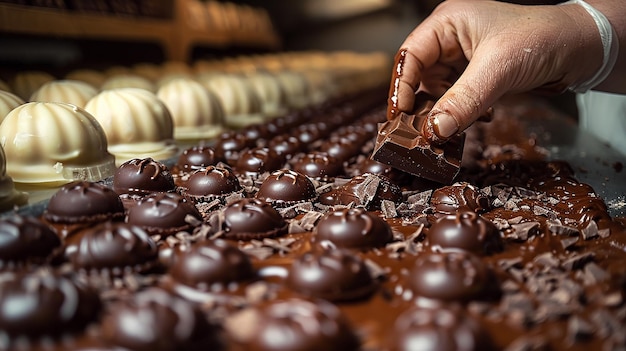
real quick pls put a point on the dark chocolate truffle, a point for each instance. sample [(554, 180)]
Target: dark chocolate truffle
[(285, 145), (25, 239), (340, 148), (229, 145), (308, 133), (142, 177), (211, 182), (248, 219), (38, 305), (459, 196), (449, 276), (115, 248), (438, 329), (465, 230), (154, 320), (334, 275), (195, 158), (84, 202), (258, 160), (317, 165), (208, 263), (368, 190), (304, 326), (353, 228), (163, 213), (284, 187)]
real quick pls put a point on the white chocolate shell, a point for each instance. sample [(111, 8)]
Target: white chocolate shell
[(9, 196), (240, 102), (51, 143), (127, 81), (268, 89), (69, 91), (197, 112), (295, 85), (8, 101), (136, 123), (24, 84), (89, 76)]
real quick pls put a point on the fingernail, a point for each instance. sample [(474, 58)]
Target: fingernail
[(444, 125)]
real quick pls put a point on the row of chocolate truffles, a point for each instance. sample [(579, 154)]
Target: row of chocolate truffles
[(81, 146)]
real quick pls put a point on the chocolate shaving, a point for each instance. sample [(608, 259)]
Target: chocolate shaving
[(388, 209), (515, 220), (543, 211), (590, 231), (508, 263), (569, 243)]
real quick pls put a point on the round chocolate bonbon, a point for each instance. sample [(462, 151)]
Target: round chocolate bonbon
[(163, 213), (229, 145), (353, 228), (210, 182), (305, 326), (449, 276), (142, 176), (115, 248), (154, 320), (286, 187), (340, 148), (208, 263), (252, 219), (285, 145), (196, 157), (438, 329), (82, 201), (25, 239), (465, 230), (43, 304), (258, 160), (459, 196), (334, 275), (317, 165)]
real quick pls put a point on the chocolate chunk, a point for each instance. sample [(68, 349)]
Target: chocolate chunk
[(523, 230), (334, 275), (577, 261), (368, 190), (590, 231), (401, 144)]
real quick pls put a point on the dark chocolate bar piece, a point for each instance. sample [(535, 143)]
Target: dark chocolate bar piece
[(401, 144)]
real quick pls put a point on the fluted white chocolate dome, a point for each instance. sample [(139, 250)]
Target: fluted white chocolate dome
[(295, 85), (69, 91), (127, 81), (8, 101), (240, 102), (268, 89), (25, 83), (9, 196), (52, 143), (137, 124), (197, 112)]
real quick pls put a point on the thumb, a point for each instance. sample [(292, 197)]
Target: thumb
[(468, 99)]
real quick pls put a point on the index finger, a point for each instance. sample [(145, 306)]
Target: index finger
[(420, 50)]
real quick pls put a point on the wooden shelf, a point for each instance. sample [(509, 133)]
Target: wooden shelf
[(177, 36)]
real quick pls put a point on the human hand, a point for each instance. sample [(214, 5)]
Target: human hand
[(473, 52)]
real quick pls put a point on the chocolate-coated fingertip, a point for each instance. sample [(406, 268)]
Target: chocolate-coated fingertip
[(438, 128)]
